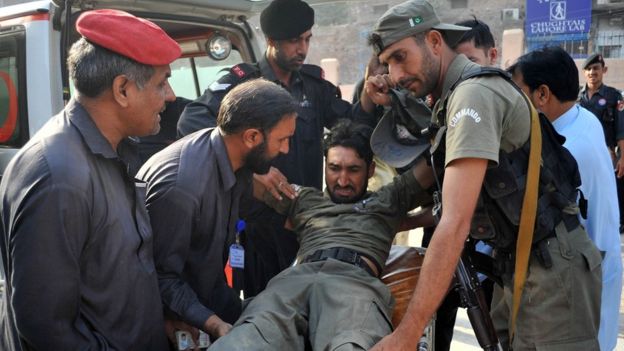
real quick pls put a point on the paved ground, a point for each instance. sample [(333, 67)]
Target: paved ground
[(463, 337)]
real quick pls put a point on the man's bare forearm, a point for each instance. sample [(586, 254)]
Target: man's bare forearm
[(463, 179)]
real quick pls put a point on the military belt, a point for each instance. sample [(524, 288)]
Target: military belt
[(342, 254)]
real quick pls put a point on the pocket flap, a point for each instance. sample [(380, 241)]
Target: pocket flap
[(351, 338), (579, 345), (592, 256), (499, 181)]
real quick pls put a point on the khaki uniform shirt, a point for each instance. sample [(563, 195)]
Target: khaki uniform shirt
[(367, 226), (484, 115)]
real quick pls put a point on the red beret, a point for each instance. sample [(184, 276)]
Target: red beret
[(129, 36)]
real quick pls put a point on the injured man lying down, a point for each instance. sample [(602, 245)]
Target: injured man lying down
[(333, 299)]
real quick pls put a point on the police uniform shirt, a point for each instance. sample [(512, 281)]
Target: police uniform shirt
[(367, 226), (484, 115), (608, 106), (193, 198), (77, 244)]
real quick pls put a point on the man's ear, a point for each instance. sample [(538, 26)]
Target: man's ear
[(435, 40), (120, 90), (371, 169), (542, 95), (604, 69), (271, 42), (492, 55), (252, 137)]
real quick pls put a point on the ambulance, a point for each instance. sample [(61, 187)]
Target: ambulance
[(35, 38)]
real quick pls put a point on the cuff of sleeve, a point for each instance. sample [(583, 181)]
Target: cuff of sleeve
[(282, 207), (420, 196), (197, 315)]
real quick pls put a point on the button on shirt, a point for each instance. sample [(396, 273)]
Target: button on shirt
[(76, 244), (193, 198)]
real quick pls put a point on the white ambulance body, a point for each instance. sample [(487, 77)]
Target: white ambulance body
[(35, 36)]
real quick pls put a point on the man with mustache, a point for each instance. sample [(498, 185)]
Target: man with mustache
[(194, 187), (332, 299), (76, 242), (287, 26), (480, 128), (478, 45), (607, 105), (605, 102)]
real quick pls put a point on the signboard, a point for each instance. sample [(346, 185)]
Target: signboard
[(557, 17)]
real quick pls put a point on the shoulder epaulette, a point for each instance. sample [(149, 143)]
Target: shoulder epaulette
[(317, 73), (237, 74), (245, 70), (611, 89), (313, 71)]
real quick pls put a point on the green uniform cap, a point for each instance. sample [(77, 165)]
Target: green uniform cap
[(409, 18), (397, 138)]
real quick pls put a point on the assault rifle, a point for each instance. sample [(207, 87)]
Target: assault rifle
[(467, 284), (471, 297)]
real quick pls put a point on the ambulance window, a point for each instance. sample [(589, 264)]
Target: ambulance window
[(191, 76), (13, 122)]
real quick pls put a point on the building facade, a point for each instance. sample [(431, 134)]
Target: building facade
[(342, 27)]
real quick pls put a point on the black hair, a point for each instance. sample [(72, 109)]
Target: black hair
[(347, 133), (257, 103), (480, 33), (551, 66)]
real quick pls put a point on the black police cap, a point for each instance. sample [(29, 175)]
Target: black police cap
[(594, 58), (286, 19)]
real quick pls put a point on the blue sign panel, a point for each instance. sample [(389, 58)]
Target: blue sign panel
[(556, 17)]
